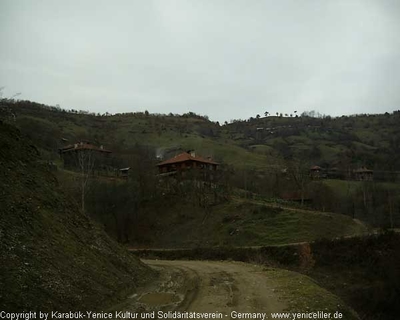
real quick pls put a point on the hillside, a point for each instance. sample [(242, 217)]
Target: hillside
[(51, 128), (53, 257), (180, 220), (343, 142), (259, 143), (243, 223), (252, 153)]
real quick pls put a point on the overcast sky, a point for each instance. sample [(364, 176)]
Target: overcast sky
[(226, 59)]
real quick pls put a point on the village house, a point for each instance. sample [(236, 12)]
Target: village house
[(184, 162), (315, 172), (124, 173), (363, 174), (99, 156)]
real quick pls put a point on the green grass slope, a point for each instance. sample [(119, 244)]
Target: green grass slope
[(238, 223), (53, 257)]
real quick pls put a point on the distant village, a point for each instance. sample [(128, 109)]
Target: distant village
[(173, 162), (98, 159)]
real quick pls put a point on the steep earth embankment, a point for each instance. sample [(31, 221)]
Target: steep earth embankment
[(52, 256)]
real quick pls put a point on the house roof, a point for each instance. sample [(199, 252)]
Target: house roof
[(83, 146), (185, 157)]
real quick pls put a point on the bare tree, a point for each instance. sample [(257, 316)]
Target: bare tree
[(299, 172), (85, 160)]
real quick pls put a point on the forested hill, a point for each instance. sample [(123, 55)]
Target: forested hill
[(346, 142)]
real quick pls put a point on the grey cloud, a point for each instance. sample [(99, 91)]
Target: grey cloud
[(226, 59)]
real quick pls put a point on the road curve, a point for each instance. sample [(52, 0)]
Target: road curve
[(225, 287)]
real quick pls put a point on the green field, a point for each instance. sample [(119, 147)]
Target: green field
[(239, 223)]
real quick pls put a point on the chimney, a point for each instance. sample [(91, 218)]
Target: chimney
[(192, 153), (101, 147)]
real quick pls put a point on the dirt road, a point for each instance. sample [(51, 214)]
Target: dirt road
[(225, 287), (234, 290), (206, 287)]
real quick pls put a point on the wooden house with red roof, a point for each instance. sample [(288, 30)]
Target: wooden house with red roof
[(185, 161)]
